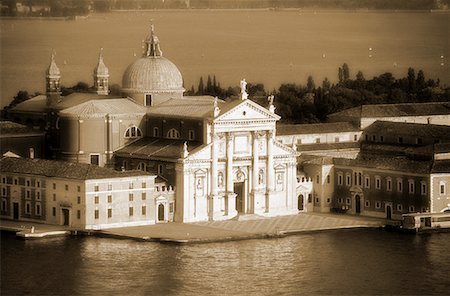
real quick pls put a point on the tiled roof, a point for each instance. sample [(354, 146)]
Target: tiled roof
[(394, 110), (156, 148), (394, 163), (315, 128), (9, 128), (189, 107), (327, 146), (441, 166), (100, 108), (441, 132), (61, 169), (39, 103)]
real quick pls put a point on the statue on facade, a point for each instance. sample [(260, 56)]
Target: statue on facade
[(244, 94), (185, 151), (271, 106), (216, 107)]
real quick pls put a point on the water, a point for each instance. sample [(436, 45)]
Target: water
[(342, 262), (262, 46)]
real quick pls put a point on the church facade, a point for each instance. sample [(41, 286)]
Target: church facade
[(221, 158)]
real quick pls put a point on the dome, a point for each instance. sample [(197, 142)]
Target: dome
[(101, 69), (53, 70), (152, 72)]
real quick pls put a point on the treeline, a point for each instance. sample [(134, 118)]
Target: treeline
[(311, 102), (46, 8)]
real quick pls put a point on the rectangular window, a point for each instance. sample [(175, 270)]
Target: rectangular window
[(144, 185), (78, 199), (96, 188), (78, 188), (54, 211), (67, 187), (367, 137), (130, 211), (423, 187), (148, 99), (96, 214), (389, 184), (96, 199), (191, 135), (171, 207), (144, 196), (109, 198), (377, 182), (411, 186), (95, 159), (27, 208), (144, 210), (4, 205), (378, 205), (130, 186), (336, 139), (367, 203), (442, 189), (54, 196), (3, 191), (28, 183), (54, 186), (340, 180), (399, 208), (381, 139), (130, 197), (348, 180), (28, 194), (78, 214), (109, 187), (4, 180), (16, 181), (309, 198), (317, 140), (38, 184), (109, 213), (38, 195), (411, 208), (38, 209), (399, 185), (328, 179), (374, 138), (367, 182)]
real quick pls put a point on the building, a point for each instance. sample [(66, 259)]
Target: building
[(79, 195), (221, 158), (21, 140)]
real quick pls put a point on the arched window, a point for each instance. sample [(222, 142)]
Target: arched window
[(142, 167), (133, 132), (173, 134), (155, 132)]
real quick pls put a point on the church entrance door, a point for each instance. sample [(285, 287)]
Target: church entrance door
[(161, 213), (239, 190)]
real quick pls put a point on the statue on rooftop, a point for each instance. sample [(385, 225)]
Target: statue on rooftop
[(244, 94)]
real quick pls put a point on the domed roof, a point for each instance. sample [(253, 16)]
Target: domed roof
[(152, 72)]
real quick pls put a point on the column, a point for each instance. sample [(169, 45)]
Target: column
[(270, 168), (213, 177), (255, 174), (231, 196)]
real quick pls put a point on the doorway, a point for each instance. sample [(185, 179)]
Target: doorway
[(357, 204), (65, 216), (161, 213), (300, 202), (239, 190), (388, 212), (16, 211)]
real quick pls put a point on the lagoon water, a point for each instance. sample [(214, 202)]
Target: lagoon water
[(341, 262), (263, 46)]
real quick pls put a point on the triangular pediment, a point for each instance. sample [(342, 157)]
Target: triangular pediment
[(280, 149), (200, 153), (244, 110)]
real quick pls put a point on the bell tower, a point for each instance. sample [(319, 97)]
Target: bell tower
[(53, 79), (101, 76)]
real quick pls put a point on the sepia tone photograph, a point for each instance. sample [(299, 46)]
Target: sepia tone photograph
[(224, 147)]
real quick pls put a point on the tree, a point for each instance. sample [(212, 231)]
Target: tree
[(201, 87), (208, 89), (411, 80), (345, 72), (310, 85), (340, 75), (326, 85), (360, 80), (420, 81)]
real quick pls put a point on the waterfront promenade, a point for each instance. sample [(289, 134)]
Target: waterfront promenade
[(246, 227)]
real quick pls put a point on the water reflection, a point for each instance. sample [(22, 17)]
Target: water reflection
[(344, 262)]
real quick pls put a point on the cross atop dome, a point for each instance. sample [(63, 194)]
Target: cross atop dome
[(152, 44)]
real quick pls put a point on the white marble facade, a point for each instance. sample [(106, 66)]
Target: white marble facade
[(242, 170)]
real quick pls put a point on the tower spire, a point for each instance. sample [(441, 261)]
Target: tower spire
[(53, 79), (153, 48), (101, 76)]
